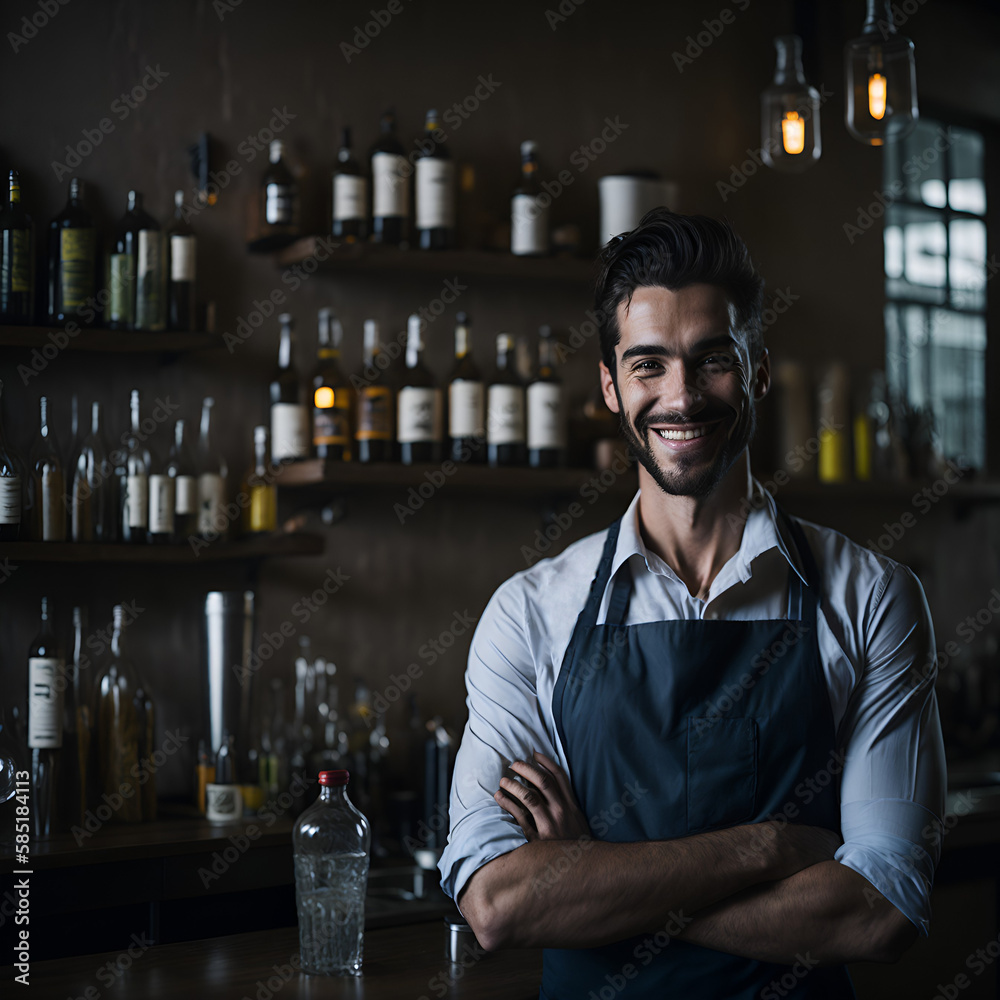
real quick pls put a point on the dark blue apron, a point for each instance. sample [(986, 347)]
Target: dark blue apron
[(673, 728)]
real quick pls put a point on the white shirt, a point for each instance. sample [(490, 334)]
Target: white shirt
[(876, 643)]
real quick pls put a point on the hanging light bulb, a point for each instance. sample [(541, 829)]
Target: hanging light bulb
[(789, 112), (881, 79)]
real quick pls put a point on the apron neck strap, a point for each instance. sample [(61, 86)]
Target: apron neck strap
[(805, 597), (588, 616)]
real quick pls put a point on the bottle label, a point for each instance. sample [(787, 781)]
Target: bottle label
[(10, 500), (137, 488), (529, 225), (211, 502), (186, 495), (546, 426), (279, 209), (331, 426), (419, 414), (505, 414), (53, 505), (76, 267), (465, 409), (390, 185), (289, 431), (150, 301), (435, 184), (46, 684), (161, 505), (375, 413), (20, 262), (121, 307), (182, 258), (350, 197)]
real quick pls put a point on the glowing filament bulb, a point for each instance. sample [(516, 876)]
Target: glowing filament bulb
[(876, 95), (793, 132), (323, 397)]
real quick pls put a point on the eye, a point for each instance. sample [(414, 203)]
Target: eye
[(718, 361), (647, 366)]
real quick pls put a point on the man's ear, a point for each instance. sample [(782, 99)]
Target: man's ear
[(608, 388), (762, 383)]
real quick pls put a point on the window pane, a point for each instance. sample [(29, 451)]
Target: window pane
[(918, 267), (958, 393), (920, 163), (967, 263), (966, 191)]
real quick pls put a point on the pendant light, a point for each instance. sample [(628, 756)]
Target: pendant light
[(881, 79), (789, 112)]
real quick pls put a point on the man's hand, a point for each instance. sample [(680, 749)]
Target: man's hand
[(542, 803)]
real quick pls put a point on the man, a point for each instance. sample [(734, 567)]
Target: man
[(752, 773)]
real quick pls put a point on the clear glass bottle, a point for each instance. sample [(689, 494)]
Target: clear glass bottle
[(466, 400), (46, 686), (151, 272), (212, 473), (332, 844), (418, 403), (162, 500), (78, 727), (48, 484), (11, 487), (291, 430), (90, 504), (505, 409), (133, 480)]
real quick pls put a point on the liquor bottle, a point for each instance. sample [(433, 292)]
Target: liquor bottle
[(350, 195), (11, 487), (333, 397), (390, 186), (546, 408), (466, 401), (279, 196), (418, 403), (118, 727), (435, 188), (72, 272), (47, 499), (133, 480), (290, 430), (151, 272), (181, 468), (183, 248), (261, 514), (77, 726), (46, 683), (162, 500), (505, 409), (529, 208), (90, 503), (17, 260), (122, 266), (375, 403), (212, 473), (77, 432)]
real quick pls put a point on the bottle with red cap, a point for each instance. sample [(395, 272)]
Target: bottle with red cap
[(332, 843)]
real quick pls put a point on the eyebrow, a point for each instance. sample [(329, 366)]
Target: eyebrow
[(658, 350)]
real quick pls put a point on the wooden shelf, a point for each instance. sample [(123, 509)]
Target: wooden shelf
[(290, 544), (372, 258), (125, 341)]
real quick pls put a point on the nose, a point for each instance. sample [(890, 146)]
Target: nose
[(680, 390)]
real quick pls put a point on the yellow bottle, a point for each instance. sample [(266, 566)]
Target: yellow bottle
[(261, 513)]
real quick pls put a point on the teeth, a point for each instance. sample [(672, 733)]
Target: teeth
[(682, 435)]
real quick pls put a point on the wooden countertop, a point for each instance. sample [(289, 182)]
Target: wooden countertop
[(400, 963)]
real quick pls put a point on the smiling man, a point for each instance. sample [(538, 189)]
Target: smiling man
[(702, 758)]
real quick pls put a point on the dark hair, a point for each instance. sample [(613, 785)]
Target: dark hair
[(673, 251)]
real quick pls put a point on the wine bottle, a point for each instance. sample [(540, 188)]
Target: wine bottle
[(46, 683), (261, 514), (529, 208), (390, 186), (11, 487), (466, 400), (180, 468), (350, 195), (375, 403), (279, 195), (183, 247), (290, 430), (77, 726), (17, 260), (212, 472), (151, 272), (418, 403), (133, 480), (48, 490), (72, 271), (435, 188), (162, 500), (333, 397), (90, 506), (122, 264), (505, 409), (546, 408)]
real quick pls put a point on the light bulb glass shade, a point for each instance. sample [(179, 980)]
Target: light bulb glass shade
[(881, 88), (789, 112)]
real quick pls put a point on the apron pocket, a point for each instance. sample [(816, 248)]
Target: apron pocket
[(721, 772)]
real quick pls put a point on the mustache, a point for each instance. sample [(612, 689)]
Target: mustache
[(643, 423)]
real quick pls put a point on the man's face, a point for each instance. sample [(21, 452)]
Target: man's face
[(684, 387)]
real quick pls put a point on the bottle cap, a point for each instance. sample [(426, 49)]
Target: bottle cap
[(529, 147), (334, 778)]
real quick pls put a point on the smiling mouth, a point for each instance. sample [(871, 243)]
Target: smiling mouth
[(687, 434)]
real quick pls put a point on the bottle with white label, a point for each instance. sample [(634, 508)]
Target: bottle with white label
[(390, 186), (529, 208), (505, 409), (119, 313), (212, 472), (90, 503), (47, 498), (181, 468), (133, 480), (435, 188), (279, 201), (418, 404), (11, 487), (350, 195), (291, 430), (546, 408), (466, 400), (182, 245), (46, 684), (150, 271), (162, 500)]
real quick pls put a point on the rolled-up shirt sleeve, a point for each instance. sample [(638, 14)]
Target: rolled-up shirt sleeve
[(505, 724), (894, 779)]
